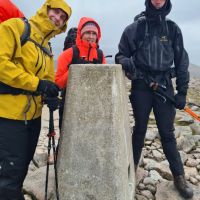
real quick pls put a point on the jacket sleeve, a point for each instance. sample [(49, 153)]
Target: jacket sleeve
[(10, 46), (181, 62), (64, 60), (127, 47)]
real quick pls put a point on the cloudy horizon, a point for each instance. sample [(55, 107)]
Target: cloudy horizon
[(114, 15)]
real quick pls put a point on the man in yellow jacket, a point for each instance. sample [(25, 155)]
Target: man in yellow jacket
[(28, 73)]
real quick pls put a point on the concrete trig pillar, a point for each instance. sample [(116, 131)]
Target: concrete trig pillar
[(95, 159)]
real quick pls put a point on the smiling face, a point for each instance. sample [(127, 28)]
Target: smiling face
[(89, 36), (57, 16), (158, 3)]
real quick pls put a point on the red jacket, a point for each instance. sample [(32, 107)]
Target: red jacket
[(9, 10), (65, 59)]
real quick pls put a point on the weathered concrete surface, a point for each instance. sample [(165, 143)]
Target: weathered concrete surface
[(95, 157)]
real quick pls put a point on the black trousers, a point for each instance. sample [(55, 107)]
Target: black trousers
[(143, 101), (17, 147)]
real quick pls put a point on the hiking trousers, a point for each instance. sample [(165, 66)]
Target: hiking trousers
[(18, 142), (143, 101)]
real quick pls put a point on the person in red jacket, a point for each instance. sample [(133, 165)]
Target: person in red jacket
[(9, 10), (87, 40)]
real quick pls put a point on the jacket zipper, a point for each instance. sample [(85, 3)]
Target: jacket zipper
[(42, 56), (149, 54), (88, 57), (41, 64), (46, 37), (37, 59), (156, 51)]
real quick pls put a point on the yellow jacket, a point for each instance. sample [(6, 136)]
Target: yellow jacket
[(23, 67)]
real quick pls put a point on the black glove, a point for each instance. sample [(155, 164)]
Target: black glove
[(48, 88), (180, 101), (53, 103), (128, 66), (83, 61)]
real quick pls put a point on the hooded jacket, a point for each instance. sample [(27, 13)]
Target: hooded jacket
[(9, 10), (23, 66), (87, 51), (162, 46), (157, 15)]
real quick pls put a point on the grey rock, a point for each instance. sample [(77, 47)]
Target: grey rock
[(149, 181), (195, 127), (151, 134), (182, 131), (166, 191), (141, 186), (185, 120), (150, 163), (40, 159), (27, 197), (162, 168), (151, 188), (140, 197), (193, 180), (184, 156), (191, 171), (140, 175), (155, 175), (198, 177), (157, 145), (157, 155), (196, 155), (186, 143), (191, 162), (35, 183), (147, 194)]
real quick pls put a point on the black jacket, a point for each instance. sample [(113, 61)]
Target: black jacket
[(152, 45)]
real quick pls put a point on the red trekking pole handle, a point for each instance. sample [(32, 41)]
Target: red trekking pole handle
[(193, 114)]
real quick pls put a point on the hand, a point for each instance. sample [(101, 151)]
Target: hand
[(83, 61), (180, 101), (53, 103), (48, 88)]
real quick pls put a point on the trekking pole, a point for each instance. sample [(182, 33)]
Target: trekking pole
[(51, 142), (108, 56), (158, 91), (47, 169)]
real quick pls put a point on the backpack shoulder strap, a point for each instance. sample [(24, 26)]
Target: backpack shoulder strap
[(26, 37), (100, 55), (142, 31), (27, 31), (75, 54), (169, 27)]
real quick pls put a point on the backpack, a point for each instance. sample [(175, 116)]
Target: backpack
[(25, 37), (70, 41), (6, 89)]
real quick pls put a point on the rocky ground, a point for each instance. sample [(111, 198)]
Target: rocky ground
[(154, 180)]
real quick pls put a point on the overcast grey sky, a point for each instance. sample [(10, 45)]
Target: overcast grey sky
[(114, 15)]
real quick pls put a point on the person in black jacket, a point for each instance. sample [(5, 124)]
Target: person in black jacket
[(147, 51)]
